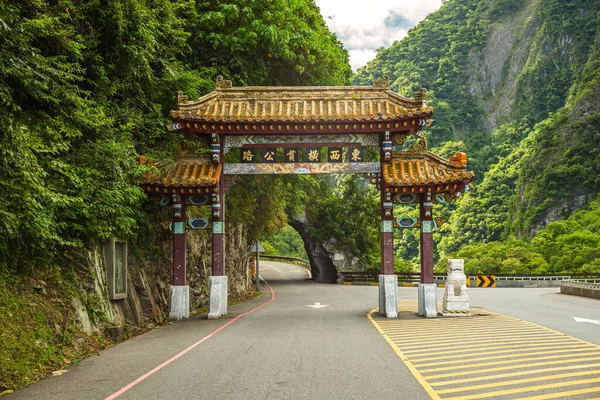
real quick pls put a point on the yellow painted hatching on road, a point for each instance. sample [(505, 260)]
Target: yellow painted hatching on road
[(491, 356)]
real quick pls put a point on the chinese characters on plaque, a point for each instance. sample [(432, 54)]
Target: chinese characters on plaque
[(268, 155), (313, 154), (291, 155), (356, 154), (334, 154), (247, 155), (309, 154)]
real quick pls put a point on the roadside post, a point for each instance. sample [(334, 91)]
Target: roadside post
[(257, 248)]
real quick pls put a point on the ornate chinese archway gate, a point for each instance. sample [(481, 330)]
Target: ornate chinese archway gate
[(344, 119)]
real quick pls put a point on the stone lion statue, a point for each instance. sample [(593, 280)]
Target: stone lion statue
[(456, 282)]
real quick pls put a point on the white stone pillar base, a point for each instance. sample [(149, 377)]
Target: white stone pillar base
[(179, 302), (427, 300), (388, 295), (217, 288)]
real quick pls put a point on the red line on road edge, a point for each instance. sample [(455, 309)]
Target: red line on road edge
[(175, 357)]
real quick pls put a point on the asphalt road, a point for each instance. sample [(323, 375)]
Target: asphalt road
[(543, 306), (287, 350), (284, 350)]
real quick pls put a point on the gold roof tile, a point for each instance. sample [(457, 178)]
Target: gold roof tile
[(414, 169), (186, 171), (302, 104)]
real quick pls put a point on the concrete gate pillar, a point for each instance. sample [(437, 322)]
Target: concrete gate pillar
[(388, 281), (427, 289), (179, 292), (217, 283)]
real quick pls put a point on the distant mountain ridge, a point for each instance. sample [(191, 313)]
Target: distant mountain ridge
[(515, 84)]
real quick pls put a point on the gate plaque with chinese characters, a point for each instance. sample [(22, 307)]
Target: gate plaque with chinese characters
[(301, 168), (342, 153)]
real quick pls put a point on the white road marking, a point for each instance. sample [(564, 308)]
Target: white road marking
[(317, 305), (591, 321)]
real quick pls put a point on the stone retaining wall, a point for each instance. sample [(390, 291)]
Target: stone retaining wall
[(148, 279), (581, 289)]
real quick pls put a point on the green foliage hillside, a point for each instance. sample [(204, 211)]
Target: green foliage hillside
[(85, 86), (560, 171), (563, 247), (487, 63), (516, 82), (549, 174), (435, 55)]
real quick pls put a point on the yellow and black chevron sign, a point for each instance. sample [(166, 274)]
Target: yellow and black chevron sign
[(486, 281)]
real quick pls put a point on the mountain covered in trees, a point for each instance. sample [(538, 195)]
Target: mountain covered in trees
[(514, 84)]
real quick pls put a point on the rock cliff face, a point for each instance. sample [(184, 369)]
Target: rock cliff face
[(496, 69), (533, 69), (322, 267), (148, 280), (508, 79)]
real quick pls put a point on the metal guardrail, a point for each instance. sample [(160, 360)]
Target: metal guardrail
[(586, 284), (373, 277), (292, 260), (557, 277), (533, 278)]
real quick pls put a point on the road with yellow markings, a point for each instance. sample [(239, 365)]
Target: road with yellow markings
[(491, 356), (308, 341)]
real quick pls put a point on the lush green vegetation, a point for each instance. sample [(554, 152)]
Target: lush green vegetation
[(435, 55), (538, 161), (343, 212), (345, 215), (544, 173), (84, 88), (563, 247), (280, 42), (443, 54), (285, 242), (561, 169)]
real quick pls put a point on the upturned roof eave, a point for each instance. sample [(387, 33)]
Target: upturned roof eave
[(454, 174), (319, 93), (406, 155)]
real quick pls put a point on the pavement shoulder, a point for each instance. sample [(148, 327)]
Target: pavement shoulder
[(122, 364), (490, 355)]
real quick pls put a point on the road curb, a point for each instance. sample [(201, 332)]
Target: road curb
[(440, 285)]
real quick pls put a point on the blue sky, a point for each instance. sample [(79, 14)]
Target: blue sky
[(364, 26)]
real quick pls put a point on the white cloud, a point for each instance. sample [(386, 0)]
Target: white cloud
[(358, 58), (361, 26)]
